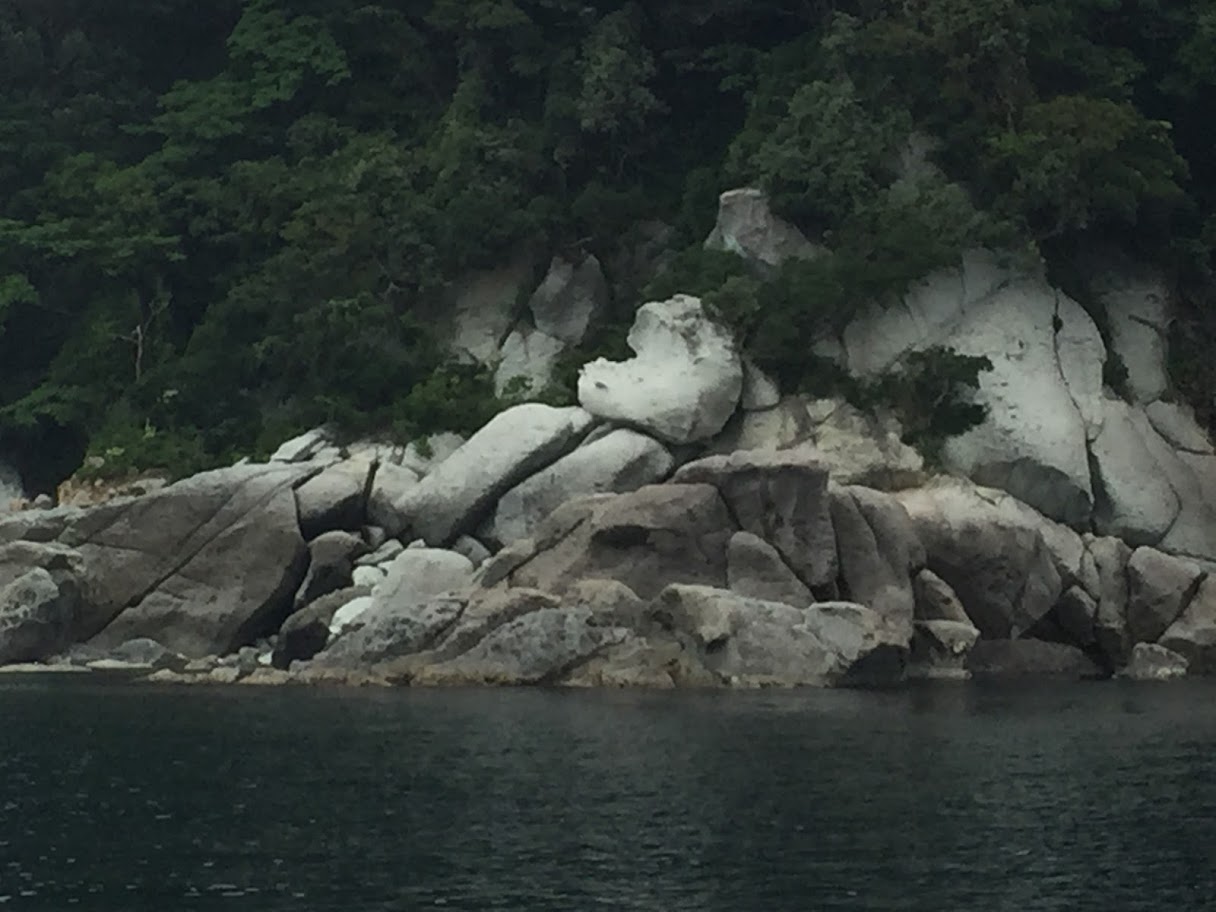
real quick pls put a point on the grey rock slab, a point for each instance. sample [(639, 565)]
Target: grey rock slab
[(754, 569), (1159, 588), (621, 460), (513, 445)]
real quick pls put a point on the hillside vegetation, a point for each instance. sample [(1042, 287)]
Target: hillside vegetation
[(219, 222)]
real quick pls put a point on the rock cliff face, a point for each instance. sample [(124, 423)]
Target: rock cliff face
[(686, 525)]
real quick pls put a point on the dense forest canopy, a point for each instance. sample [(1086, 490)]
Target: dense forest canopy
[(218, 221)]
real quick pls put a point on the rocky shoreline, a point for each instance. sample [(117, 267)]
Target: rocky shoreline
[(685, 525), (750, 569)]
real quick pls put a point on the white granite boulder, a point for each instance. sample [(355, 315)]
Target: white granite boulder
[(622, 460), (684, 383), (513, 445), (528, 356), (747, 226), (569, 299)]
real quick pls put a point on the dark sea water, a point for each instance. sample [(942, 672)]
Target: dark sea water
[(961, 797)]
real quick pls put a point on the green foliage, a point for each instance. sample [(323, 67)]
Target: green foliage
[(930, 392), (223, 222)]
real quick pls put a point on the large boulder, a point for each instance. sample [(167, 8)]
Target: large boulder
[(306, 632), (753, 643), (1110, 557), (37, 616), (879, 553), (992, 551), (935, 600), (390, 486), (1034, 658), (940, 649), (855, 446), (754, 569), (1043, 394), (747, 226), (1135, 500), (335, 499), (481, 308), (684, 383), (539, 647), (781, 496), (1175, 423), (1151, 662), (622, 460), (659, 534), (1193, 634), (569, 299), (416, 574), (1159, 588), (1137, 310), (203, 566), (331, 558), (391, 629), (528, 356), (514, 444)]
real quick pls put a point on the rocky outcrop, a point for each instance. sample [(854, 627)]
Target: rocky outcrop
[(1193, 634), (1159, 588), (569, 299), (879, 553), (528, 357), (781, 496), (515, 443), (684, 383), (940, 649), (37, 617), (1151, 662), (202, 566), (1036, 658), (621, 460), (481, 309), (990, 551), (754, 643), (646, 539), (755, 569), (336, 498), (747, 226), (857, 448)]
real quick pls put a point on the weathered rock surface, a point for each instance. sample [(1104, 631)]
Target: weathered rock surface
[(684, 383), (1151, 662), (940, 649), (990, 551), (1042, 393), (1137, 309), (1159, 587), (334, 499), (754, 569), (569, 299), (1018, 658), (331, 561), (1077, 614), (1110, 556), (1136, 501), (645, 539), (528, 356), (513, 445), (393, 628), (781, 496), (622, 460), (856, 448), (1193, 634), (879, 553), (754, 643), (416, 574), (760, 391), (746, 226), (482, 307), (538, 647), (306, 632), (390, 486), (37, 617), (935, 600), (1176, 424), (202, 566)]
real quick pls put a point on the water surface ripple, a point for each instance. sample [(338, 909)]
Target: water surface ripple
[(1035, 799)]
